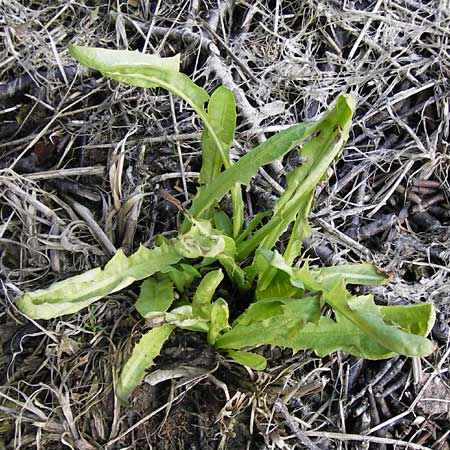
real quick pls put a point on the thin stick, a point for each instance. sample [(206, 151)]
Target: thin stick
[(362, 438), (63, 173)]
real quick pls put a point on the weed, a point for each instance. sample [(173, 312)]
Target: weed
[(287, 302)]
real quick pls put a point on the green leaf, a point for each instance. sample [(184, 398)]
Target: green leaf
[(301, 229), (257, 325), (218, 319), (365, 274), (329, 336), (248, 359), (366, 315), (234, 271), (252, 225), (167, 76), (201, 303), (152, 72), (275, 277), (222, 116), (142, 357), (201, 241), (222, 119), (332, 132), (182, 275), (223, 223), (103, 59), (242, 172), (75, 293), (156, 296), (417, 319)]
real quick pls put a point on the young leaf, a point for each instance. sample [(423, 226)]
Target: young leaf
[(252, 225), (201, 303), (249, 359), (73, 294), (223, 223), (218, 319), (301, 229), (181, 317), (201, 241), (275, 277), (156, 296), (145, 351), (222, 116)]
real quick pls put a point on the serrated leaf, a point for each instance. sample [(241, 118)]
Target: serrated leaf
[(278, 329), (329, 336), (366, 315), (156, 295), (75, 293), (218, 319), (249, 359), (142, 357)]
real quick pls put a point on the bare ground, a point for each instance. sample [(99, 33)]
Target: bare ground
[(82, 160)]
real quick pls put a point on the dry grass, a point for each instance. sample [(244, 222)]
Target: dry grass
[(82, 159)]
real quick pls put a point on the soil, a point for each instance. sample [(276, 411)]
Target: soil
[(83, 162)]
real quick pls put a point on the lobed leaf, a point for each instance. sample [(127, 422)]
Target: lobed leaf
[(366, 315), (328, 336), (276, 325)]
